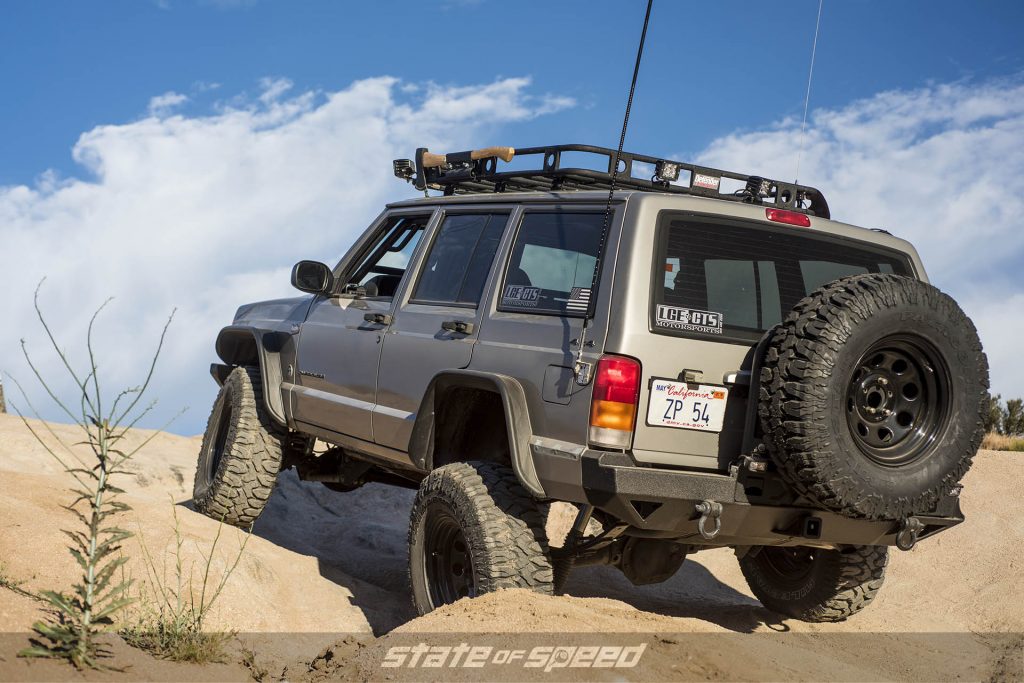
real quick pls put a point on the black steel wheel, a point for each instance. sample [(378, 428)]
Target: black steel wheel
[(215, 449), (788, 565), (898, 399), (871, 396), (474, 529), (448, 564)]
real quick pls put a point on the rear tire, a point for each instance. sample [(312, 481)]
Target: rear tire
[(241, 453), (474, 529), (815, 585)]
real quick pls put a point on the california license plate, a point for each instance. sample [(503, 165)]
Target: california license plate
[(686, 406)]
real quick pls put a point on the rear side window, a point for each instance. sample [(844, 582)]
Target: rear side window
[(455, 270), (737, 280), (552, 265)]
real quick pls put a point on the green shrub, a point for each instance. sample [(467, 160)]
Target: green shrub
[(170, 624), (88, 609)]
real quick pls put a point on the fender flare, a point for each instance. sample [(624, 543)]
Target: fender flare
[(246, 345), (517, 420)]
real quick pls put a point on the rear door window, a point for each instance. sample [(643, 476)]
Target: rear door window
[(735, 280), (551, 269)]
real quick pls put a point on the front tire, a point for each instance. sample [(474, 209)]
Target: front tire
[(241, 453), (474, 529), (815, 585)]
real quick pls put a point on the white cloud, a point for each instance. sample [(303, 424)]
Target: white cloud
[(205, 86), (162, 105), (942, 166), (274, 89), (206, 213)]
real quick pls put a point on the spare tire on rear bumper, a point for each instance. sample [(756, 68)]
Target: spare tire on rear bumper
[(871, 395)]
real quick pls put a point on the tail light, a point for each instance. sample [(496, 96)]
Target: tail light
[(613, 407), (801, 220)]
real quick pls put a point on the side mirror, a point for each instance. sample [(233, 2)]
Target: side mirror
[(313, 277)]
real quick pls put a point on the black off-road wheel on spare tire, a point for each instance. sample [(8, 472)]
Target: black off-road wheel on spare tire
[(474, 529), (871, 396), (815, 585), (241, 453)]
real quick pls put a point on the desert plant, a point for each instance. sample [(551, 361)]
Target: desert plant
[(1002, 442), (171, 624), (992, 413), (9, 582), (78, 617), (257, 669), (1013, 418)]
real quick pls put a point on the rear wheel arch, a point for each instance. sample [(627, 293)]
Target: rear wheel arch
[(453, 397), (239, 345)]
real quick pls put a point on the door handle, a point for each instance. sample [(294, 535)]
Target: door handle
[(460, 326), (379, 318)]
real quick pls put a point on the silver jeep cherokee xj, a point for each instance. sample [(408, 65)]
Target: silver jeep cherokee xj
[(693, 362)]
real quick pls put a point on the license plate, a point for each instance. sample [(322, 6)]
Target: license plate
[(686, 406)]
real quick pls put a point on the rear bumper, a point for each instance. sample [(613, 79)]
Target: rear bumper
[(658, 502)]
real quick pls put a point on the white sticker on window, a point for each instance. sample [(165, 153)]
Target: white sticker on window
[(689, 319), (519, 295)]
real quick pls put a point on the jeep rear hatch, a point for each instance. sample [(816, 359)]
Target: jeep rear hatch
[(717, 278), (717, 284)]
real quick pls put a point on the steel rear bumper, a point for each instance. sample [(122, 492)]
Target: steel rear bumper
[(666, 503)]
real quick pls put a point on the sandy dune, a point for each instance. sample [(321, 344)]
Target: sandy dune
[(322, 564)]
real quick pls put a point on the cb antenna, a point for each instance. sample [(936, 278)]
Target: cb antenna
[(581, 369), (807, 95)]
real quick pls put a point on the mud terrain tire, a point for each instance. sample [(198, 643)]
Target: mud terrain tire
[(871, 396), (816, 585), (474, 529), (241, 453)]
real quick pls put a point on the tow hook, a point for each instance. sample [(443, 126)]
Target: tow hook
[(909, 530), (709, 509)]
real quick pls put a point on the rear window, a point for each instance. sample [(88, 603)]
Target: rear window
[(717, 278)]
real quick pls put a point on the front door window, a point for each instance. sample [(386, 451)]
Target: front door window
[(381, 269)]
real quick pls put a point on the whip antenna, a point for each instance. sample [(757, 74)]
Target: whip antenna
[(582, 370), (807, 95)]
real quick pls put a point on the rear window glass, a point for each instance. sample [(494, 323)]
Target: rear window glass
[(552, 265), (738, 281)]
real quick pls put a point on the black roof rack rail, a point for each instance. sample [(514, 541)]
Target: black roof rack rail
[(476, 172)]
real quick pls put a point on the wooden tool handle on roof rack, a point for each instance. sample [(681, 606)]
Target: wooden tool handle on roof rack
[(504, 153)]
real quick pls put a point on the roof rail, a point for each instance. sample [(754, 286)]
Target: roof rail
[(476, 172)]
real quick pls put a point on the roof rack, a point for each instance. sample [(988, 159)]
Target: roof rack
[(476, 172)]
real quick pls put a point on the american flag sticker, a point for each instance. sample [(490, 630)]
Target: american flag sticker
[(579, 299)]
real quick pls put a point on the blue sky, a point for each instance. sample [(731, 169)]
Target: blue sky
[(710, 67), (141, 142)]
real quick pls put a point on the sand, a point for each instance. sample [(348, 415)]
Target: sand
[(320, 591)]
